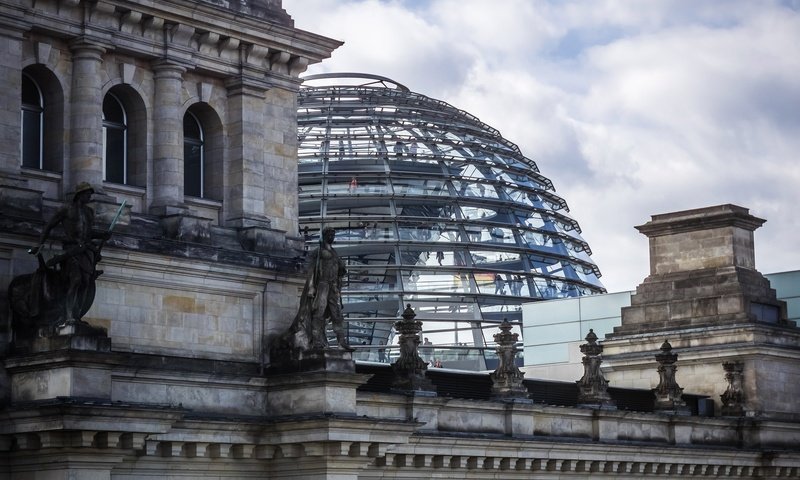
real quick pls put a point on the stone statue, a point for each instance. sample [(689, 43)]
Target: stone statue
[(320, 301), (62, 289)]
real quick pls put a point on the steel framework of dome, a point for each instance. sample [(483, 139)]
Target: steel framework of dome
[(434, 208)]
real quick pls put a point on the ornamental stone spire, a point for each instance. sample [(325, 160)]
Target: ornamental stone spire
[(507, 377), (409, 368), (592, 387), (668, 393)]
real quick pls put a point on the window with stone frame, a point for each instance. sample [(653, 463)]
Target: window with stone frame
[(32, 124), (193, 156), (203, 150), (115, 140)]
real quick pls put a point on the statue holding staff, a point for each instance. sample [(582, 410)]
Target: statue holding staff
[(62, 290)]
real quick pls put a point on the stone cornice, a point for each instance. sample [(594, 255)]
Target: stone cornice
[(700, 219), (209, 37)]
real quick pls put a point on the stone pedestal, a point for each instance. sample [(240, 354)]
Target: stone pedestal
[(186, 227), (323, 359), (704, 293), (61, 373), (319, 392)]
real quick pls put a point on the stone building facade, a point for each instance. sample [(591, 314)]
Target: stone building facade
[(185, 110)]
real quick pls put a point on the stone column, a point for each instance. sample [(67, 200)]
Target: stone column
[(10, 101), (86, 115), (167, 194), (507, 378), (668, 393), (592, 387)]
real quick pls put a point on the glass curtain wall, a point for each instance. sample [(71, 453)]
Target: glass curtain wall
[(434, 208)]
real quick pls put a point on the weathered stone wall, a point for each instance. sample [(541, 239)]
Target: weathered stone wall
[(181, 307)]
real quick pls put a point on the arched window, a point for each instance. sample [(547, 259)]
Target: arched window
[(115, 140), (193, 156), (31, 144)]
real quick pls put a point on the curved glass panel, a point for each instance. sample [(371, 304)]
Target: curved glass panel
[(433, 208)]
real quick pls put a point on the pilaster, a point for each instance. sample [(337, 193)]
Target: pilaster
[(10, 101), (261, 198), (247, 175)]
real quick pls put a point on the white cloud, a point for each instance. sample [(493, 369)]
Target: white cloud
[(631, 108)]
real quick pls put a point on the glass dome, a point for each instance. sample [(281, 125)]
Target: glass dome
[(434, 208)]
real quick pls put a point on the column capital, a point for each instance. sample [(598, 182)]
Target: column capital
[(164, 68), (87, 47)]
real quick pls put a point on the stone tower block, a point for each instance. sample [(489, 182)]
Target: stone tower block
[(705, 295)]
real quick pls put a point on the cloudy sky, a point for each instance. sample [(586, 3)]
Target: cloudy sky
[(631, 108)]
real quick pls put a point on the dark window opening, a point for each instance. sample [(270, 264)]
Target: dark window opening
[(193, 153), (31, 144), (115, 140)]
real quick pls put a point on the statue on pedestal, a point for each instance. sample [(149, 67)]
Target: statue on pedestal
[(320, 302), (62, 289)]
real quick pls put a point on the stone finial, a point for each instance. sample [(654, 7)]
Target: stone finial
[(668, 393), (409, 368), (592, 387), (507, 377), (733, 398)]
